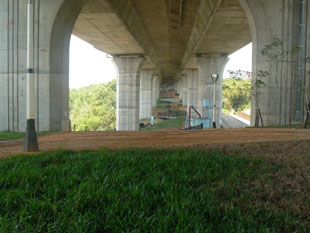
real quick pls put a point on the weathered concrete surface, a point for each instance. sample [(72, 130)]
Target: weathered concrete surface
[(146, 93), (166, 37), (155, 89), (208, 66), (192, 87), (128, 92)]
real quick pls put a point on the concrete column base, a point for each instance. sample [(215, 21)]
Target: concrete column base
[(66, 126)]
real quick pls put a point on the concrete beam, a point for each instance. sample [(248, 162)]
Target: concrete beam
[(204, 18), (126, 11)]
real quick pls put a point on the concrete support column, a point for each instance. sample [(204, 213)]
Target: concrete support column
[(208, 66), (128, 92), (184, 90), (146, 89), (155, 89), (192, 87), (180, 88), (307, 75)]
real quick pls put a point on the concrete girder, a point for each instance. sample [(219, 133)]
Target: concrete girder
[(205, 15)]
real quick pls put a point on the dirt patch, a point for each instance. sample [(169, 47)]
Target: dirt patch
[(220, 138), (287, 188)]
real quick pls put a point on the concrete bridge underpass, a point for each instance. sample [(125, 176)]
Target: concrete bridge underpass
[(156, 45)]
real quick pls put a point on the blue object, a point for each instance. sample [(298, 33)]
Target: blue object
[(197, 121), (207, 103)]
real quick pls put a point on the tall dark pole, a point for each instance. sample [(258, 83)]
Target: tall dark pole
[(30, 141)]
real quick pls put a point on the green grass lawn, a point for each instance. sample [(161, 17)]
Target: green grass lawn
[(4, 135), (136, 191), (10, 135), (179, 121)]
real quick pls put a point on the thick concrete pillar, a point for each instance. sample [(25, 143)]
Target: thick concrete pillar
[(184, 90), (279, 97), (208, 66), (128, 92), (180, 88), (53, 25), (307, 75), (192, 87), (155, 89), (146, 89)]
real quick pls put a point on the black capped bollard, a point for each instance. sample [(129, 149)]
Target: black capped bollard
[(31, 140)]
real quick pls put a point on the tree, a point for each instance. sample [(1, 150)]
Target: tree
[(93, 108), (236, 92)]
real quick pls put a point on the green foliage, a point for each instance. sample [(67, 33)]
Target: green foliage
[(94, 108), (236, 94), (10, 135), (15, 135), (136, 191), (177, 122)]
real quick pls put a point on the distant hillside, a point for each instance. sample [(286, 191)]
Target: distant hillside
[(93, 108)]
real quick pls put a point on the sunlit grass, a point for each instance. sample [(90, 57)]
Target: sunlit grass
[(135, 191), (5, 135), (169, 123)]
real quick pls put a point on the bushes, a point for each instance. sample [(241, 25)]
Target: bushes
[(94, 107)]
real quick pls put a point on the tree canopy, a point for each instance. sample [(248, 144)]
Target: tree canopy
[(93, 108), (236, 93)]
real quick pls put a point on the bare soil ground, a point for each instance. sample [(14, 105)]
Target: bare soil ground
[(226, 139), (288, 149)]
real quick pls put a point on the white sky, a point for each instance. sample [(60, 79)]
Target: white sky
[(89, 65), (240, 60)]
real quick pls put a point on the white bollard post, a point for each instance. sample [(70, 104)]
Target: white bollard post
[(30, 141)]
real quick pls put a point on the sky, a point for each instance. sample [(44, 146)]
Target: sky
[(89, 66), (240, 60)]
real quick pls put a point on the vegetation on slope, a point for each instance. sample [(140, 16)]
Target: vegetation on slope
[(136, 191), (178, 121), (236, 94), (94, 108)]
